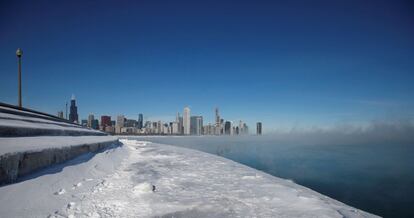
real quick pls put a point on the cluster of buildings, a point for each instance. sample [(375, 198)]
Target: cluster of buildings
[(184, 124)]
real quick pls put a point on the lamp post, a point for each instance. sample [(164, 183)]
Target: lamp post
[(19, 54)]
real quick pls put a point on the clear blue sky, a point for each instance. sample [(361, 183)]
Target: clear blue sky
[(286, 63)]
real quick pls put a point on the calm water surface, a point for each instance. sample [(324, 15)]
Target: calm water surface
[(375, 178)]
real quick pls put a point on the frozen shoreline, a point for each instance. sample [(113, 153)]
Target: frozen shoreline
[(189, 183)]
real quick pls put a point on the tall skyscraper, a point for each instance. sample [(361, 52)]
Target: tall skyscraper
[(246, 129), (186, 121), (196, 125), (217, 116), (73, 115), (179, 120), (140, 121), (120, 121), (227, 128), (259, 128), (90, 120)]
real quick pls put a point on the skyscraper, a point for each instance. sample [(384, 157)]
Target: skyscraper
[(95, 124), (227, 128), (186, 121), (217, 116), (120, 121), (179, 120), (196, 125), (217, 127), (90, 120), (140, 121), (73, 115), (259, 128)]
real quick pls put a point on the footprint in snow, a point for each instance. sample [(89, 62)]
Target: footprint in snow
[(79, 184), (71, 205), (60, 192)]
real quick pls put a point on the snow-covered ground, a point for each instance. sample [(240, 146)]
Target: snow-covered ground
[(119, 183)]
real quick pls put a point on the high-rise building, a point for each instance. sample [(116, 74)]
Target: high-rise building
[(241, 130), (130, 123), (120, 121), (196, 125), (84, 123), (105, 121), (217, 127), (217, 116), (179, 120), (95, 124), (73, 115), (227, 128), (186, 121), (245, 129), (90, 120), (140, 121), (174, 128), (258, 128)]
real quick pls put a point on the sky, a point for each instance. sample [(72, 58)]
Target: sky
[(288, 64)]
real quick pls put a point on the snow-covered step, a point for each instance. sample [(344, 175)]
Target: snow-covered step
[(23, 122)]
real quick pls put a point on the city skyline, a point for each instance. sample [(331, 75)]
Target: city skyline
[(182, 125), (332, 63)]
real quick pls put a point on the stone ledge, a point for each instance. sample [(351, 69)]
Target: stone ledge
[(16, 165)]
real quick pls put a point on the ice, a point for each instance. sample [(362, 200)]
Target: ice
[(189, 183)]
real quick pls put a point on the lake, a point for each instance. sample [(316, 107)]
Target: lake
[(377, 178)]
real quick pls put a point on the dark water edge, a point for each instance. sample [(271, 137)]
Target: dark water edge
[(375, 178)]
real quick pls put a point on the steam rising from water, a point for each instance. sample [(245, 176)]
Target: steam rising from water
[(401, 132)]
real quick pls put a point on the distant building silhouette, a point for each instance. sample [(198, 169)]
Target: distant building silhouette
[(73, 115), (259, 128), (179, 121), (95, 124), (186, 121), (140, 121), (196, 125), (91, 118), (227, 128)]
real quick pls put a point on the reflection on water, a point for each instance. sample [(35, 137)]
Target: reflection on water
[(376, 178)]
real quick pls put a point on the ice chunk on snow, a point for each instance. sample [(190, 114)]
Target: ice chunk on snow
[(142, 188)]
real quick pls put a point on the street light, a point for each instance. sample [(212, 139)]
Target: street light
[(19, 54)]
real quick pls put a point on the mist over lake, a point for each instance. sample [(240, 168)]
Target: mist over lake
[(374, 175)]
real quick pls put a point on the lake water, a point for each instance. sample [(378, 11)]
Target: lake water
[(375, 178)]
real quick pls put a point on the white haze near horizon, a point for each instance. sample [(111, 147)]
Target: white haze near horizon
[(376, 132)]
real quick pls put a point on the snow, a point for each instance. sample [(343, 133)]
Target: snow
[(120, 181), (10, 145)]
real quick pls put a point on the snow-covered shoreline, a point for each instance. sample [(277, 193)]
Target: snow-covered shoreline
[(188, 183)]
